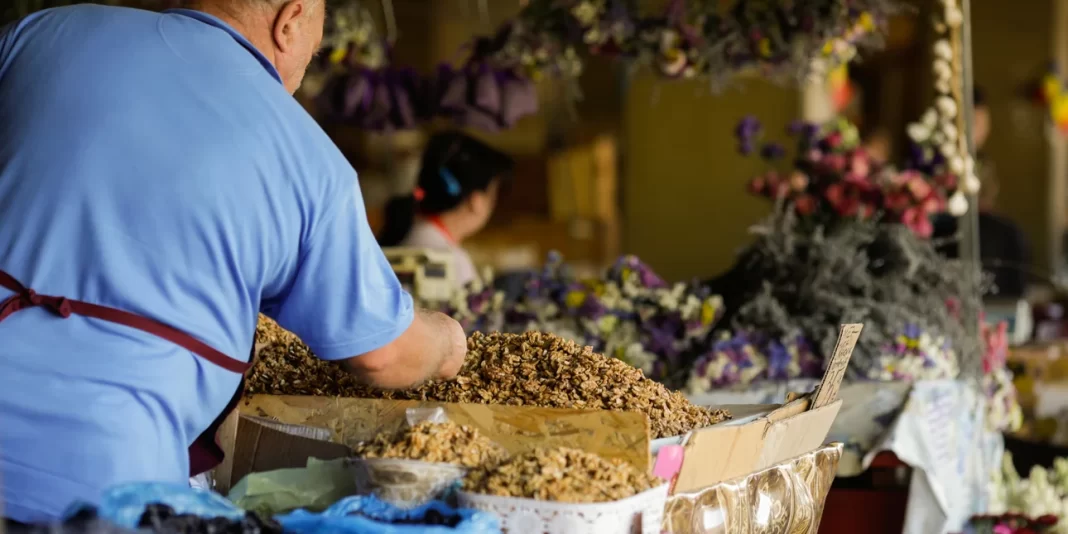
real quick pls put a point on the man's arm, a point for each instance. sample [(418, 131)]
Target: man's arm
[(345, 302), (431, 348)]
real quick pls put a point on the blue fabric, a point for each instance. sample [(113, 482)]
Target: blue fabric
[(154, 163)]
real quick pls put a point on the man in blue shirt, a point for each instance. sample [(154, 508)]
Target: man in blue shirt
[(159, 186)]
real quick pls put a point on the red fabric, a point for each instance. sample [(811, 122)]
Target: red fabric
[(205, 453)]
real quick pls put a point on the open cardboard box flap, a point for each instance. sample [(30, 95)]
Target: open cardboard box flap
[(724, 452), (276, 432)]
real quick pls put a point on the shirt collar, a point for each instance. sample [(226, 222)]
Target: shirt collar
[(241, 40)]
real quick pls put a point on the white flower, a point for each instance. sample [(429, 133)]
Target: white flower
[(938, 137), (943, 50), (972, 184), (947, 107), (930, 119), (958, 204), (918, 132), (942, 86), (956, 165), (949, 150)]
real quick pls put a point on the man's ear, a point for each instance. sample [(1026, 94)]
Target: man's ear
[(287, 24)]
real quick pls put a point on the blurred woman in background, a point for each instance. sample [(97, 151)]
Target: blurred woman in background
[(454, 198)]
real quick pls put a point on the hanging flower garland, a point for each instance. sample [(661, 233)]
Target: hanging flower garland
[(493, 88), (365, 90), (940, 137), (699, 38)]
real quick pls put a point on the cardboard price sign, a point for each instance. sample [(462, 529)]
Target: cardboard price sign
[(827, 392)]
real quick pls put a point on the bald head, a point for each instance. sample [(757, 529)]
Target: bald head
[(287, 32)]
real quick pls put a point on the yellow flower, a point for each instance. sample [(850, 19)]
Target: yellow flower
[(1059, 110), (828, 47), (338, 55), (575, 299), (607, 324), (866, 21), (708, 312), (1051, 87), (765, 47), (594, 286)]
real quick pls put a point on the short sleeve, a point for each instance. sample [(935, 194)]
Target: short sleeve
[(345, 299)]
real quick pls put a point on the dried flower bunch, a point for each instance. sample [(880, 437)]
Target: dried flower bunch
[(562, 475), (389, 98), (447, 443), (530, 369), (835, 179), (794, 280), (492, 89), (699, 38)]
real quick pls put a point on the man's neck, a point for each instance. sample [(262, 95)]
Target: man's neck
[(239, 18)]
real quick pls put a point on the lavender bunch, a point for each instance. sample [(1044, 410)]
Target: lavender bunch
[(807, 281)]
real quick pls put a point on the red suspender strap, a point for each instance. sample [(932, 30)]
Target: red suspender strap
[(64, 307)]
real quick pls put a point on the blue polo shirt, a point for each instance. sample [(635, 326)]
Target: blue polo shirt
[(155, 163)]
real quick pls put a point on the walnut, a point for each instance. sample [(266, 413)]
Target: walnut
[(446, 443), (530, 369), (562, 475)]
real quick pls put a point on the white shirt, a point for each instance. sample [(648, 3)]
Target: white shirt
[(425, 234)]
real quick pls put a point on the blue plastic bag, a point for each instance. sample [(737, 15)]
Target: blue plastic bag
[(124, 505), (375, 518)]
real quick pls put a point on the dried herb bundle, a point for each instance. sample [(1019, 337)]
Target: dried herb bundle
[(563, 475), (797, 280), (446, 443), (531, 369)]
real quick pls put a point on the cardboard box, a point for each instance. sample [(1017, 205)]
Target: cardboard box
[(728, 451), (276, 432)]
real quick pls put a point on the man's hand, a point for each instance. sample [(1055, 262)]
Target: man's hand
[(433, 347), (457, 350)]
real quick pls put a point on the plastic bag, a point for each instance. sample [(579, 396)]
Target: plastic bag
[(408, 483), (405, 483), (414, 416), (369, 515), (314, 487), (124, 505)]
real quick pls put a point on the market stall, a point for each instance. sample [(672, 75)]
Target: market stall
[(569, 414)]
